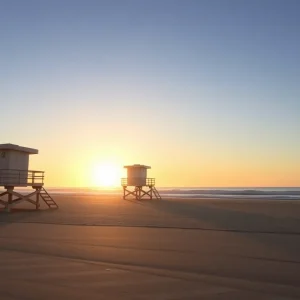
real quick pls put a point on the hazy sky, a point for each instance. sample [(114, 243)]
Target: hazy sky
[(206, 92)]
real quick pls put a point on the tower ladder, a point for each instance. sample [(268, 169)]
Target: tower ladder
[(48, 199), (156, 193)]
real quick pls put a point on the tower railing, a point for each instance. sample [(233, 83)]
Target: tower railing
[(21, 177), (149, 181)]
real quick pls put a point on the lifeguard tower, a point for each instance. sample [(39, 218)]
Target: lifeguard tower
[(143, 187), (14, 163)]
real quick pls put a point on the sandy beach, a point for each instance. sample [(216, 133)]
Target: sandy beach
[(103, 247)]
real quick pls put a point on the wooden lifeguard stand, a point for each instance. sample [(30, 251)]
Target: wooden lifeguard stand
[(14, 163), (137, 178)]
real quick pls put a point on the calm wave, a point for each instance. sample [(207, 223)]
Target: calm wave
[(197, 192)]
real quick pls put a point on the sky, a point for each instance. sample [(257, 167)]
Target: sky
[(205, 92)]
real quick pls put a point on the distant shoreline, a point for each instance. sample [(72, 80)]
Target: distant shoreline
[(278, 193)]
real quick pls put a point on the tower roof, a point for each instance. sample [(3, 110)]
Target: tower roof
[(18, 148), (137, 166)]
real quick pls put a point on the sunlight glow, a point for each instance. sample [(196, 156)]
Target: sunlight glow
[(106, 175)]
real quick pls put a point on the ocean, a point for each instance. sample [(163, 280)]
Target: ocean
[(281, 193)]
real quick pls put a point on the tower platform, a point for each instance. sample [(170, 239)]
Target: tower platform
[(10, 179), (139, 192)]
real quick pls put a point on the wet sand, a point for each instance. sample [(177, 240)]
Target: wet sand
[(98, 247)]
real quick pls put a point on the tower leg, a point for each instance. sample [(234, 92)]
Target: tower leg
[(137, 193), (10, 199), (37, 205)]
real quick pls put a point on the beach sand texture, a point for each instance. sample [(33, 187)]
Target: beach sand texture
[(103, 247)]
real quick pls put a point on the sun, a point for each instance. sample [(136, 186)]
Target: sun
[(106, 175)]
